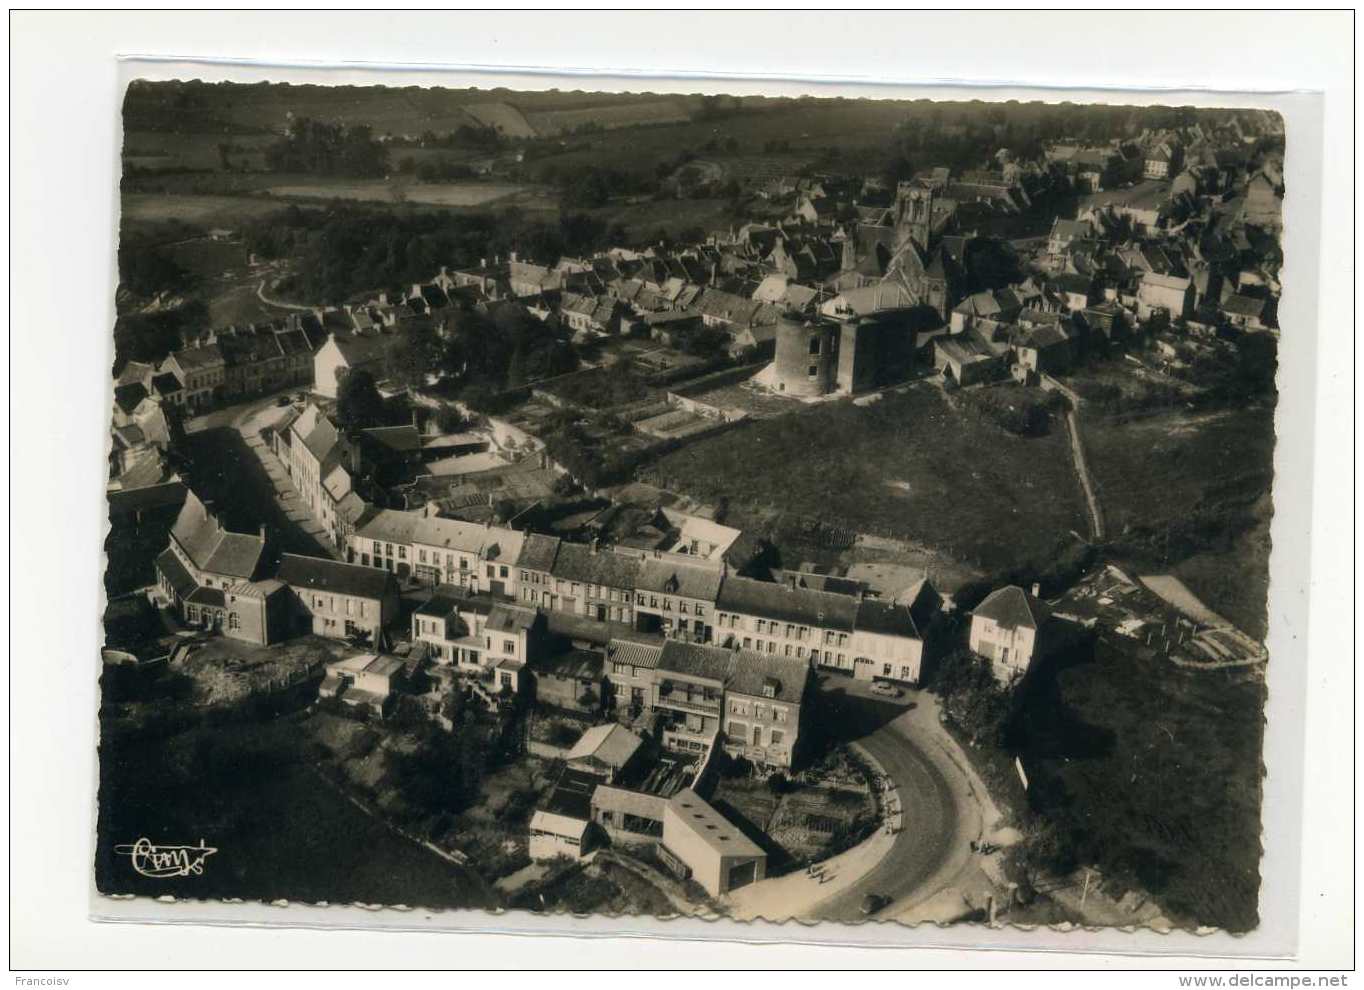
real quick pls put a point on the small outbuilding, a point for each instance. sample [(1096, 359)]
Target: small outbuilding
[(701, 844)]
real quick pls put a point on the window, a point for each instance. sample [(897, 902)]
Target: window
[(700, 610), (667, 604), (421, 556), (523, 576), (814, 345), (814, 370), (779, 714), (490, 570), (503, 572), (787, 651), (747, 642), (402, 552), (509, 646), (682, 607), (777, 737)]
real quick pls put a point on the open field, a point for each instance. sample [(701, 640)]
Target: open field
[(909, 466), (642, 220), (452, 194), (848, 125), (1153, 772), (206, 210), (1189, 492)]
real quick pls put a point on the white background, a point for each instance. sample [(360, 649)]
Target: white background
[(64, 154)]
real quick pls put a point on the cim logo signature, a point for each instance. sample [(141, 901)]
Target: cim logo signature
[(161, 862)]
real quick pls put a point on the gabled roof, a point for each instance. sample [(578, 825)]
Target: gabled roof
[(322, 440), (576, 562), (210, 547), (756, 674), (538, 552), (508, 618), (886, 619), (766, 599), (711, 663), (320, 574), (357, 350), (612, 745), (168, 564), (199, 358), (1012, 608), (683, 580)]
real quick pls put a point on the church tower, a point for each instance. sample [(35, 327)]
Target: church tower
[(913, 214)]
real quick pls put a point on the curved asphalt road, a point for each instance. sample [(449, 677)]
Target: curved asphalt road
[(931, 825)]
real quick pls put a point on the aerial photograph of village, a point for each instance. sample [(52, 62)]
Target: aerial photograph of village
[(690, 505)]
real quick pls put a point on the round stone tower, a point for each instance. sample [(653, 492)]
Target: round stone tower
[(807, 355)]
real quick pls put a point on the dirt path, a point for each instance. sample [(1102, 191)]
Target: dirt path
[(277, 303), (1077, 451)]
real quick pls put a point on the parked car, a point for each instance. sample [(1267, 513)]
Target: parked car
[(886, 690)]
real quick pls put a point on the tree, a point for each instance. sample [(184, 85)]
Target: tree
[(358, 402), (416, 356)]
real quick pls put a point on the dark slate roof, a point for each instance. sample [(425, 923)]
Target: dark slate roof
[(358, 350), (180, 579), (509, 618), (212, 548), (1011, 607), (166, 384), (192, 358), (538, 552), (1239, 305), (128, 396), (753, 671), (885, 618), (576, 562), (448, 598), (321, 442), (694, 660), (684, 580), (572, 795), (207, 596), (580, 627), (403, 439), (582, 665), (319, 574), (775, 601)]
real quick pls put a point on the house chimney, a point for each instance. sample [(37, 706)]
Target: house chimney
[(1036, 590), (262, 531), (594, 546)]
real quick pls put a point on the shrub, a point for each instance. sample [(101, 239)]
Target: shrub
[(562, 734)]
